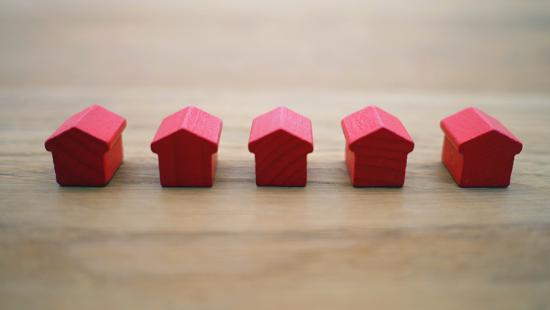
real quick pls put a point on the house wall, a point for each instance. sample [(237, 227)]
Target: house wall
[(77, 162), (184, 161), (380, 168), (287, 169), (113, 159), (452, 159), (487, 169)]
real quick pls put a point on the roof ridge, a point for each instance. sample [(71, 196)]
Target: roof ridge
[(478, 123), (384, 125), (284, 120), (485, 118), (82, 114), (282, 110), (372, 120), (183, 118), (376, 112), (182, 121), (78, 122)]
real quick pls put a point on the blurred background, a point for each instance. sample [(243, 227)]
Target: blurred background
[(386, 45)]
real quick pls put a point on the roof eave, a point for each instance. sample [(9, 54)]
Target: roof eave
[(252, 144), (516, 145), (408, 143), (155, 144), (103, 146)]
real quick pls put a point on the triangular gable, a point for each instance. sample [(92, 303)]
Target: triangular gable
[(283, 119), (102, 126), (372, 122), (194, 121)]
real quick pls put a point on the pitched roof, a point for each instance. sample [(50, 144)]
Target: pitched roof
[(469, 124), (94, 121), (370, 121), (279, 119), (194, 121)]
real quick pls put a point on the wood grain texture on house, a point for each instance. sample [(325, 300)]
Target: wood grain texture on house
[(478, 150), (87, 148), (281, 139), (377, 146), (187, 145)]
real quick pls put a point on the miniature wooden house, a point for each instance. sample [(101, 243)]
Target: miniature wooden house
[(281, 140), (187, 144), (478, 150), (87, 147), (377, 145)]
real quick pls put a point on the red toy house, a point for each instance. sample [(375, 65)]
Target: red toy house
[(377, 145), (87, 147), (281, 140), (478, 150), (187, 144)]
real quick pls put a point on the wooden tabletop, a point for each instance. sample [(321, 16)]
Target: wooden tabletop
[(133, 244)]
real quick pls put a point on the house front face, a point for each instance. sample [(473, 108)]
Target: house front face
[(78, 163), (281, 160), (281, 140), (186, 160), (377, 145), (376, 167), (290, 171), (488, 163), (87, 147), (478, 150), (186, 143), (487, 170)]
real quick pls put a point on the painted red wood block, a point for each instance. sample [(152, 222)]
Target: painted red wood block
[(478, 150), (187, 144), (87, 147), (377, 145), (281, 140)]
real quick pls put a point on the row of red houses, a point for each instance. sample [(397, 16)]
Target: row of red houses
[(87, 148)]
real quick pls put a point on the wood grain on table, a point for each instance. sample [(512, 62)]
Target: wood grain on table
[(133, 244)]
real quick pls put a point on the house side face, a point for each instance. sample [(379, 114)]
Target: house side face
[(452, 159), (112, 159)]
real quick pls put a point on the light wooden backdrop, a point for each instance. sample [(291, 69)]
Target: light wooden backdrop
[(132, 244)]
